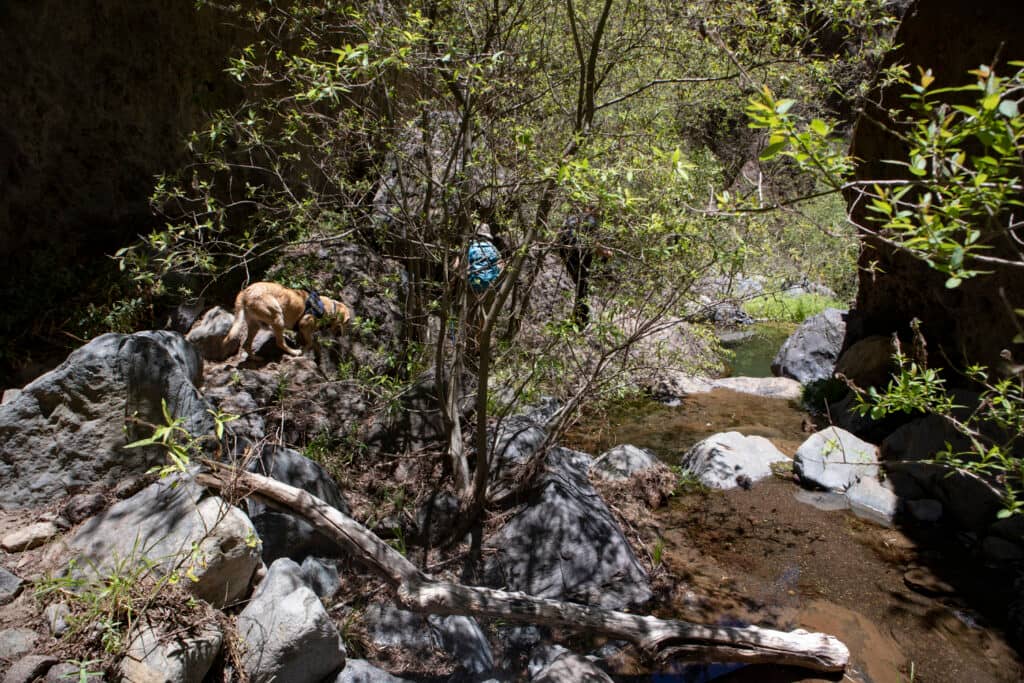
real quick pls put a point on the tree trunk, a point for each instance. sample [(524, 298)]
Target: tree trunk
[(662, 638)]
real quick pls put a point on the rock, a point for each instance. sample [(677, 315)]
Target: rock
[(9, 395), (389, 626), (10, 586), (285, 534), (622, 462), (555, 664), (513, 444), (32, 536), (210, 332), (56, 616), (81, 506), (924, 510), (565, 544), (321, 576), (769, 387), (128, 487), (463, 639), (868, 362), (67, 672), (823, 500), (436, 516), (873, 500), (921, 439), (720, 459), (810, 353), (287, 635), (16, 642), (185, 315), (361, 671), (28, 669), (161, 523), (67, 429), (1001, 551), (834, 459), (153, 657)]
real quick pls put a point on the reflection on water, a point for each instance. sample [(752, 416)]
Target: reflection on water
[(669, 431), (754, 348)]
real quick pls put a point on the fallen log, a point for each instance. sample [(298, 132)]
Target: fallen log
[(416, 591)]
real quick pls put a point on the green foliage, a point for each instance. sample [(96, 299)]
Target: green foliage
[(994, 428), (179, 444), (789, 307), (964, 169)]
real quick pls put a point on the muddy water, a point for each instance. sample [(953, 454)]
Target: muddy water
[(763, 557)]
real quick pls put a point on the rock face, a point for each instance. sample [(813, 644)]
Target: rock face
[(209, 332), (287, 635), (810, 353), (835, 460), (154, 657), (68, 428), (90, 121), (565, 544), (949, 37), (622, 462), (161, 524), (285, 534), (720, 460)]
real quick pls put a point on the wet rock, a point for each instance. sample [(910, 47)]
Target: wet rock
[(10, 586), (463, 639), (811, 351), (720, 460), (834, 459), (287, 635), (622, 462), (28, 669), (67, 429), (555, 664), (165, 524), (361, 671), (564, 543), (286, 534), (16, 642), (823, 500), (873, 500), (56, 615), (32, 536), (154, 656), (210, 332)]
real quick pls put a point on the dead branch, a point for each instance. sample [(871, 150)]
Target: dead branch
[(419, 592)]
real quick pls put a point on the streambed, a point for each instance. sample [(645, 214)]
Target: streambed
[(761, 556)]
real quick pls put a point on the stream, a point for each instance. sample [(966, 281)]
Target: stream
[(761, 556)]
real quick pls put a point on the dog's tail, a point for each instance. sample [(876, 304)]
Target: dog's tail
[(234, 335)]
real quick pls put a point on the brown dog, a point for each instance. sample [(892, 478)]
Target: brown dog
[(268, 303)]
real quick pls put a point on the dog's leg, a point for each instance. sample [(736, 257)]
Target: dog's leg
[(251, 328), (278, 326)]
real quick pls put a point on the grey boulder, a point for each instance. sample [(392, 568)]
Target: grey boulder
[(720, 460), (286, 633), (622, 462), (834, 460), (361, 671), (153, 656), (68, 428), (209, 334), (811, 352)]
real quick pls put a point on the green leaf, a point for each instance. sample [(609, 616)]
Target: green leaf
[(783, 106), (1004, 513), (771, 150), (953, 282), (819, 127), (1008, 108), (990, 102)]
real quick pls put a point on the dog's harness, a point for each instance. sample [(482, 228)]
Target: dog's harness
[(314, 306)]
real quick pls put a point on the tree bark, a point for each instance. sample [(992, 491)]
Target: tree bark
[(419, 592)]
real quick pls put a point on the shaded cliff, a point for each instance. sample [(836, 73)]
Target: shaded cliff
[(973, 321), (98, 97)]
